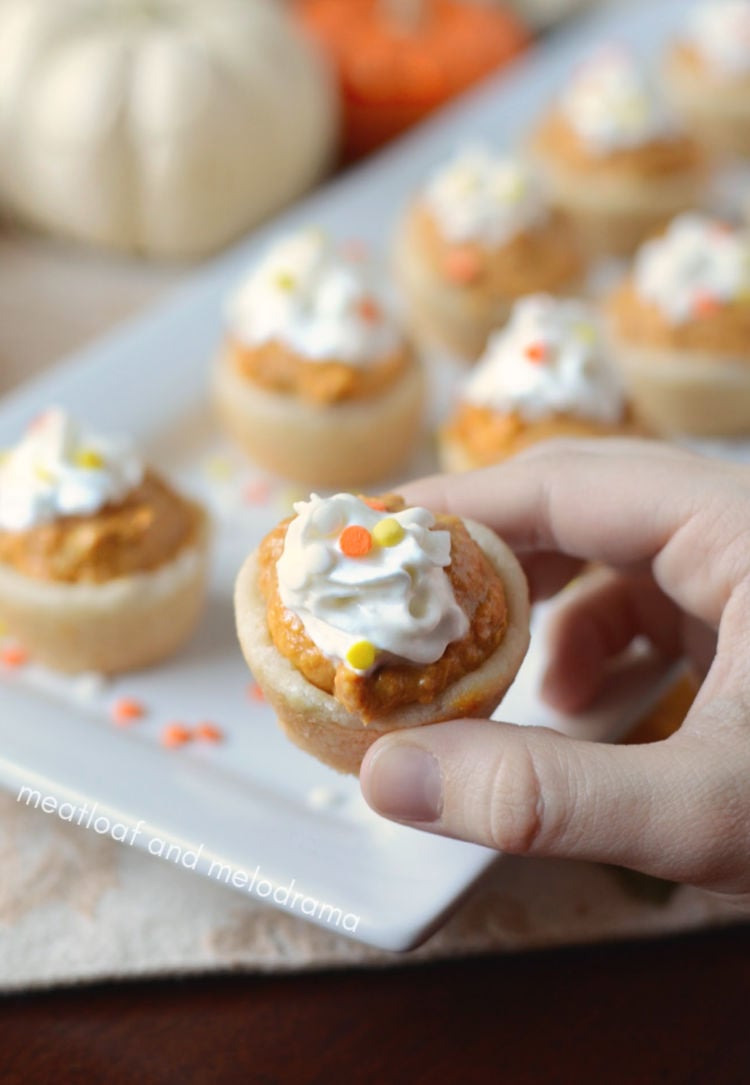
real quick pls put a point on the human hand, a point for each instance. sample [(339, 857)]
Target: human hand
[(673, 531)]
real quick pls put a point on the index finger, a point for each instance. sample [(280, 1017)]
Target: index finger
[(619, 501)]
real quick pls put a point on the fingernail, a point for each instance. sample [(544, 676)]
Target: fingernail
[(405, 783)]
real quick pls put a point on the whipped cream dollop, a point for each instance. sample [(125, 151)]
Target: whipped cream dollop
[(547, 360), (719, 32), (612, 105), (479, 196), (697, 266), (370, 586), (59, 469), (310, 296)]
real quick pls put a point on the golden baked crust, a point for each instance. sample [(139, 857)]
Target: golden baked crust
[(276, 368), (345, 444), (478, 590), (318, 723), (717, 330), (117, 625), (139, 534)]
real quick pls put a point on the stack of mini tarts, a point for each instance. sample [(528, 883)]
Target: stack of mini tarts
[(335, 713), (477, 237), (707, 71), (545, 375), (315, 379), (614, 159), (680, 329), (95, 584)]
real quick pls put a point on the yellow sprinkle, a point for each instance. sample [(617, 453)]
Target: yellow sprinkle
[(514, 190), (89, 459), (219, 468), (285, 281), (388, 532), (361, 655), (585, 333), (43, 474)]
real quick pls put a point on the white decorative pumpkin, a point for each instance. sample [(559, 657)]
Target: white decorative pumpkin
[(164, 127)]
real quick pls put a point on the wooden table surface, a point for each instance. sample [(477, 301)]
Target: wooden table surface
[(668, 1011)]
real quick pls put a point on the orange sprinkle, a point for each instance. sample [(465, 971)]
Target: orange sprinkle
[(256, 493), (461, 266), (255, 693), (208, 732), (376, 504), (13, 656), (536, 352), (354, 249), (369, 310), (175, 734), (705, 305), (126, 709), (355, 541)]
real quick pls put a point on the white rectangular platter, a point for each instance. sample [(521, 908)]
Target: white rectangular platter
[(253, 811)]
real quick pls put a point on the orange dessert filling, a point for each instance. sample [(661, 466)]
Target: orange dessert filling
[(143, 532), (688, 57), (277, 368), (656, 159), (719, 328), (478, 590), (547, 258), (489, 436)]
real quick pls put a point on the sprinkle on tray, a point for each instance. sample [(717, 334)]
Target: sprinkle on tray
[(461, 266), (388, 532), (175, 734), (376, 504), (126, 709), (13, 656), (361, 655), (369, 310), (256, 492), (208, 732), (355, 541), (255, 693)]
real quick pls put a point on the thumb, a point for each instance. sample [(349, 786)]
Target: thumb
[(527, 790)]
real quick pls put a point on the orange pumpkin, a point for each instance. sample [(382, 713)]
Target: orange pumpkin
[(399, 59)]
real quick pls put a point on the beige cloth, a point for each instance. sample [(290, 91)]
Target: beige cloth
[(75, 906)]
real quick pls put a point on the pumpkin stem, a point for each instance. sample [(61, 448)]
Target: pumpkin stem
[(405, 15)]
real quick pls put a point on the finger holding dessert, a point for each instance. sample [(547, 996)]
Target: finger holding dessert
[(546, 374), (315, 379), (102, 564), (679, 327), (614, 156), (707, 70), (359, 617), (480, 235)]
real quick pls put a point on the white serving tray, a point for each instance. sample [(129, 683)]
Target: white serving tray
[(255, 802)]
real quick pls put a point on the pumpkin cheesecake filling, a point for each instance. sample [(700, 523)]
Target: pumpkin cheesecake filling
[(543, 257), (144, 531), (689, 291), (375, 690), (276, 367), (660, 157)]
